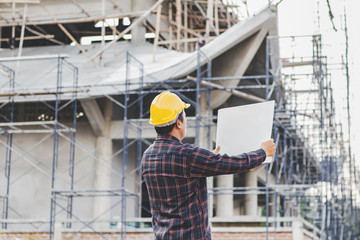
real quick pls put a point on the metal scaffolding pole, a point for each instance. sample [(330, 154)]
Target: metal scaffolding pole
[(139, 140), (72, 142), (10, 74), (56, 138), (55, 149), (125, 151)]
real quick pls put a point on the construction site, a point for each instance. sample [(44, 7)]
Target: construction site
[(77, 78)]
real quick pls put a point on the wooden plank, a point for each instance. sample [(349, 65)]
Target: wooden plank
[(229, 90), (216, 8), (21, 1), (184, 40), (13, 29), (209, 18), (76, 42), (81, 8), (5, 73), (47, 36), (102, 30), (157, 31), (21, 37), (228, 19), (205, 16), (202, 18), (94, 115), (29, 38), (178, 24), (186, 48), (128, 29), (191, 26), (9, 10), (203, 30), (68, 34), (188, 30), (77, 20), (170, 27)]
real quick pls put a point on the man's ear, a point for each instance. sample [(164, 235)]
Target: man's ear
[(178, 124)]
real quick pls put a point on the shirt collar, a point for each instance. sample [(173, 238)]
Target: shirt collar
[(167, 137)]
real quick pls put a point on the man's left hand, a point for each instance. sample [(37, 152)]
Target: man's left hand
[(216, 150)]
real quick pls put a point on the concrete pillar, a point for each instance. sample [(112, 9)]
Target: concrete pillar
[(297, 230), (58, 231), (251, 200), (225, 202), (138, 32), (272, 207), (102, 179)]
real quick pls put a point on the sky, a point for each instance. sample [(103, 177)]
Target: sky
[(307, 17)]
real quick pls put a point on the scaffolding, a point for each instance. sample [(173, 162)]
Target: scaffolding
[(308, 166), (48, 127), (311, 167), (310, 103)]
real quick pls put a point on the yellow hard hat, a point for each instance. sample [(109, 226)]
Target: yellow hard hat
[(165, 109)]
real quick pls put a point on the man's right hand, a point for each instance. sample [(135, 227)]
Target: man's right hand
[(269, 147)]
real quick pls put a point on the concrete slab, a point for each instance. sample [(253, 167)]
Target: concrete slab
[(41, 75)]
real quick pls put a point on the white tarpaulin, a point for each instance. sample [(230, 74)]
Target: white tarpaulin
[(242, 129)]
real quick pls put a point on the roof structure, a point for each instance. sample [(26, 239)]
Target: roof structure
[(37, 70)]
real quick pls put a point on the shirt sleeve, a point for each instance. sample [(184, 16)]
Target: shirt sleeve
[(205, 163)]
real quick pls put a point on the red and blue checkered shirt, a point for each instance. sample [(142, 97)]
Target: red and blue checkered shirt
[(175, 176)]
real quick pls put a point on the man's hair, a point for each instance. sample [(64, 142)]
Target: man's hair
[(168, 129)]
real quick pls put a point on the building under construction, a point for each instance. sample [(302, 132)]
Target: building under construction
[(76, 81)]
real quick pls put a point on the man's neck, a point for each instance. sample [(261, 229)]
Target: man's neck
[(176, 134)]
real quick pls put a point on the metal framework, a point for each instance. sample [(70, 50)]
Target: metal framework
[(48, 126), (9, 80), (309, 161), (311, 167)]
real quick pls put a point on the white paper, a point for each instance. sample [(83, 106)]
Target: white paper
[(242, 129)]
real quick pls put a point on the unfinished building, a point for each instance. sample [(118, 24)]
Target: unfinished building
[(77, 79)]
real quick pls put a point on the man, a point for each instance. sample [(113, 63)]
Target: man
[(175, 173)]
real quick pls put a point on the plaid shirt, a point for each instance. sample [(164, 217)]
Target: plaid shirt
[(175, 176)]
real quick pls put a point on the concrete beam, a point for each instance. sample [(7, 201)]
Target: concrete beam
[(21, 1), (235, 63), (94, 116), (261, 174), (148, 131)]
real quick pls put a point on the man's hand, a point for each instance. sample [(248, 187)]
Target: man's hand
[(269, 147), (216, 150)]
